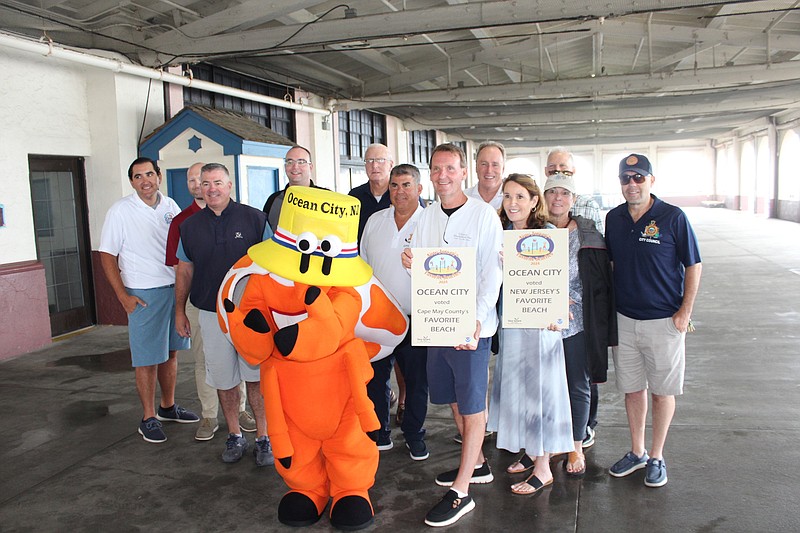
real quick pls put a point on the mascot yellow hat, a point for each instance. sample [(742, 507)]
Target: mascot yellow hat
[(316, 241)]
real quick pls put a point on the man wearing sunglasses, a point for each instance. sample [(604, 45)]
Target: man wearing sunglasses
[(561, 161), (657, 267)]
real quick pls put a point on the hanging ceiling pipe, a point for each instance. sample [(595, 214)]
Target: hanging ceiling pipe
[(541, 53), (650, 43), (48, 49)]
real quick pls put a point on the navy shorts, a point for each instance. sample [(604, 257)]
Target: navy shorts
[(460, 377)]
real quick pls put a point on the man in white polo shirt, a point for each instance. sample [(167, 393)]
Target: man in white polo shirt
[(386, 234), (133, 247)]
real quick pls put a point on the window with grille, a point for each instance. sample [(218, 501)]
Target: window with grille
[(420, 146), (278, 119), (357, 130)]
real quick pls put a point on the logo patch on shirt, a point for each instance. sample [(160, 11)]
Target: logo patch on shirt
[(238, 235), (168, 217), (651, 233)]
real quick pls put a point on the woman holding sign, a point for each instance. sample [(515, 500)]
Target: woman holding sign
[(530, 405), (593, 323)]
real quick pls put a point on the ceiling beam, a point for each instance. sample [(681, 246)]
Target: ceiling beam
[(617, 85), (249, 12), (428, 20), (677, 108)]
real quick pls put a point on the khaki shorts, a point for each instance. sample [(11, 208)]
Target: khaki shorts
[(651, 356), (225, 368)]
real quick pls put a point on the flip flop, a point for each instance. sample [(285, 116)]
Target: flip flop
[(572, 458), (523, 464), (533, 482)]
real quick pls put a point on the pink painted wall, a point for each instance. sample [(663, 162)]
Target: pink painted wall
[(23, 299)]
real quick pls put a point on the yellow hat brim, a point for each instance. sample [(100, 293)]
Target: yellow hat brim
[(286, 263)]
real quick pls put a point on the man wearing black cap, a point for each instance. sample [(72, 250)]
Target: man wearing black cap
[(656, 276)]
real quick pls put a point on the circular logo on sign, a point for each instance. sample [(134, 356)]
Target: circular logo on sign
[(442, 265), (534, 246)]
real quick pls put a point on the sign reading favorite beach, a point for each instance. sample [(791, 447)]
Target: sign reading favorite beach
[(535, 278), (443, 296)]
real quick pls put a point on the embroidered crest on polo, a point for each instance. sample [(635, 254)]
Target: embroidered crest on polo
[(651, 233), (168, 217), (651, 230)]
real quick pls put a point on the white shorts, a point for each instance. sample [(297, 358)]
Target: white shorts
[(225, 368), (651, 356)]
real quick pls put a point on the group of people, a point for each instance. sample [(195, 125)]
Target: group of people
[(165, 267), (631, 289), (544, 395)]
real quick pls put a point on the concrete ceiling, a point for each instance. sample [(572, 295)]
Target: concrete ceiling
[(524, 72)]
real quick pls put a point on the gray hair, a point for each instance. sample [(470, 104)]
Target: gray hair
[(210, 167), (491, 144), (562, 150), (405, 169)]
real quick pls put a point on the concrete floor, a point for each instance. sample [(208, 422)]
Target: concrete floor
[(71, 458)]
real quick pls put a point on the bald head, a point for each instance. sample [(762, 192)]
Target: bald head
[(193, 182), (298, 166)]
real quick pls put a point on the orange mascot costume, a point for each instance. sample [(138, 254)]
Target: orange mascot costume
[(312, 315)]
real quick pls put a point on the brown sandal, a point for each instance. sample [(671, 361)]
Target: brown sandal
[(572, 458)]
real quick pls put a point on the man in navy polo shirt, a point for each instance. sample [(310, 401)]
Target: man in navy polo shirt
[(209, 401), (656, 276), (374, 195), (212, 240)]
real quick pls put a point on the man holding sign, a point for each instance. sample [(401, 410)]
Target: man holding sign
[(459, 375)]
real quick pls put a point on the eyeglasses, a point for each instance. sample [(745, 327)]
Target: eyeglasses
[(379, 160), (554, 171), (625, 179), (300, 162)]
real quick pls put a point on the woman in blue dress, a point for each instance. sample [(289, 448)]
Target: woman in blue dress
[(530, 407)]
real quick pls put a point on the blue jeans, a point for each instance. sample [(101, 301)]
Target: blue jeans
[(413, 361), (379, 392), (578, 382)]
